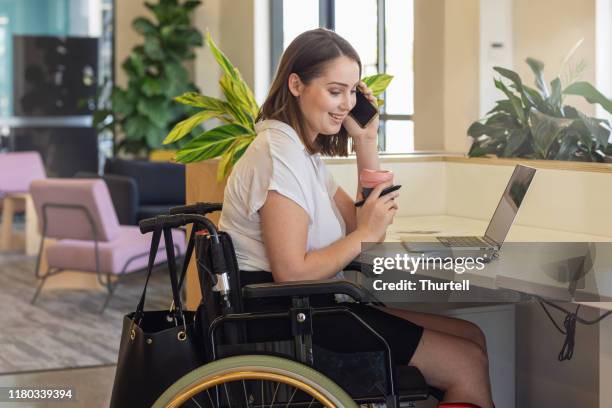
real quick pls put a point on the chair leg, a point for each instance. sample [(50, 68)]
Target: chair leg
[(32, 236), (6, 232), (39, 288), (111, 290)]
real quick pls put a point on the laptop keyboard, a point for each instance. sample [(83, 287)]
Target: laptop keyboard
[(463, 241)]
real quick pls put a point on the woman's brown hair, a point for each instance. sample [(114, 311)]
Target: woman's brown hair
[(307, 56)]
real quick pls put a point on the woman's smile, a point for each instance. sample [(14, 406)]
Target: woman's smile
[(337, 118)]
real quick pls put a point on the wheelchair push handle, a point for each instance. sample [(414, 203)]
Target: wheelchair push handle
[(200, 208), (175, 221), (161, 222)]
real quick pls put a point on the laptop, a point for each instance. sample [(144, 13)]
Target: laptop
[(500, 223)]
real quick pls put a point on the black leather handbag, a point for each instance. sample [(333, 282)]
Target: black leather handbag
[(157, 347)]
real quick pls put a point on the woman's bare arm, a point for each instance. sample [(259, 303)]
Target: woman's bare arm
[(285, 233), (284, 226), (347, 209)]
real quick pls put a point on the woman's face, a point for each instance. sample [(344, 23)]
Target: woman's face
[(327, 99)]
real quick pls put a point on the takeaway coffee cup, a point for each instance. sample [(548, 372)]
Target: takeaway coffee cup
[(369, 179)]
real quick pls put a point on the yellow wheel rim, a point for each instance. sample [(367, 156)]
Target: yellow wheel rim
[(208, 383)]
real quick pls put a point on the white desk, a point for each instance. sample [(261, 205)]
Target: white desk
[(424, 228)]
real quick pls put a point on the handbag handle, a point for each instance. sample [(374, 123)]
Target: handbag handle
[(152, 254), (171, 259), (186, 260), (170, 256), (188, 253)]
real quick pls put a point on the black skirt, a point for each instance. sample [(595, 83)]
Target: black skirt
[(337, 332)]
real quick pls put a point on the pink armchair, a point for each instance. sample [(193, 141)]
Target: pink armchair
[(79, 214)]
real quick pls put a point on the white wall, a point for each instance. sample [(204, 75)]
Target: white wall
[(240, 28), (496, 47), (603, 53), (576, 201)]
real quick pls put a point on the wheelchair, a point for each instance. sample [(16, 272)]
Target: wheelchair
[(292, 372)]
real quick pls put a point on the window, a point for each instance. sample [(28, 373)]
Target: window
[(382, 32)]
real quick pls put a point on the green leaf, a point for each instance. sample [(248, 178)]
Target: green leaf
[(378, 83), (568, 147), (191, 4), (503, 106), (134, 65), (192, 37), (201, 101), (154, 137), (136, 127), (153, 49), (185, 127), (151, 86), (537, 67), (515, 139), (517, 83), (476, 130), (235, 102), (511, 75), (156, 109), (143, 26), (555, 100), (476, 150), (546, 130), (597, 132), (517, 107), (590, 93), (535, 99), (502, 120), (212, 143), (238, 89), (231, 156), (122, 103)]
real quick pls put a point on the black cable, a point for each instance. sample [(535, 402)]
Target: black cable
[(569, 324)]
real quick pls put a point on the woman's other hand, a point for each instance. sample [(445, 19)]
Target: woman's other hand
[(356, 132), (377, 214)]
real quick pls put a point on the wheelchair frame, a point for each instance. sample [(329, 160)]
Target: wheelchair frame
[(222, 289)]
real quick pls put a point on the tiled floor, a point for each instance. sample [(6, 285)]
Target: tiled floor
[(91, 387)]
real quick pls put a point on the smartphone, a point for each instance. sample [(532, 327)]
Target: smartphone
[(364, 111), (382, 193)]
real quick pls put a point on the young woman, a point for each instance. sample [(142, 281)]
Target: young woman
[(289, 220)]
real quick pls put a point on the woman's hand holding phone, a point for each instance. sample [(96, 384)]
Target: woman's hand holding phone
[(377, 213), (356, 132)]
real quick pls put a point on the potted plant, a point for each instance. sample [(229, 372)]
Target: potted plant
[(536, 124), (237, 114), (145, 110)]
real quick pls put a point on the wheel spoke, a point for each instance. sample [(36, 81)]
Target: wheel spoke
[(210, 398), (262, 394), (291, 398), (227, 395), (274, 395), (246, 398)]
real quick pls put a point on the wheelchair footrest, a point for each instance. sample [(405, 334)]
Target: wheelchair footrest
[(410, 383)]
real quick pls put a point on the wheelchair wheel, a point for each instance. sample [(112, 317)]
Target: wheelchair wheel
[(255, 381)]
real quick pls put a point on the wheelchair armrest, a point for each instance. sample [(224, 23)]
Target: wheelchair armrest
[(306, 288), (357, 266)]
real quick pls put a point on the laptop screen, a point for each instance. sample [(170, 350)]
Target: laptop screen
[(509, 204)]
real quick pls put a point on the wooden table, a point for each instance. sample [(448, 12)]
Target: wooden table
[(8, 241)]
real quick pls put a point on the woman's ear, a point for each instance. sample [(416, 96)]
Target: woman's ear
[(295, 84)]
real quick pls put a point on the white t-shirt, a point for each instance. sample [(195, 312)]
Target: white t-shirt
[(278, 160)]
